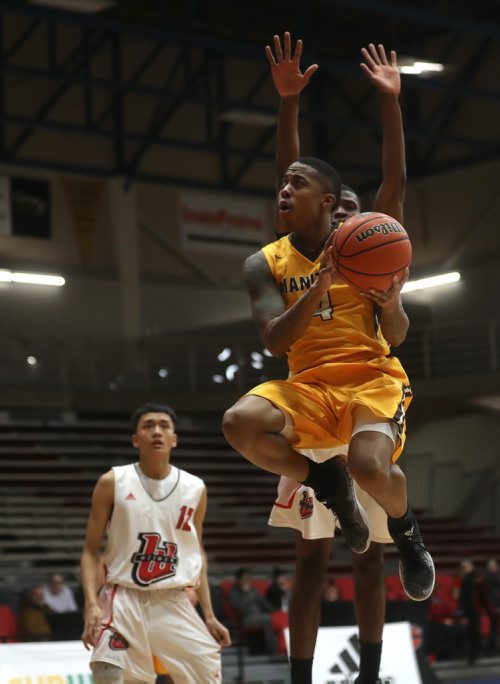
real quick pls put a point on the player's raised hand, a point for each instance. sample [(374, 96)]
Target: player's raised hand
[(384, 75), (285, 69)]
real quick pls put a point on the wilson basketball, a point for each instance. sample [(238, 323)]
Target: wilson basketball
[(369, 249)]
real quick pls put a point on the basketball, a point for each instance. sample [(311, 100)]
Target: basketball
[(369, 249)]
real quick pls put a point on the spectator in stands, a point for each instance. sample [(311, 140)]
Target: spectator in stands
[(279, 590), (330, 592), (217, 599), (33, 623), (487, 588), (58, 596), (329, 608), (469, 606), (443, 633), (153, 514), (493, 580), (252, 608)]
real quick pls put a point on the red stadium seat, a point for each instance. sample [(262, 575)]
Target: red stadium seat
[(345, 585), (8, 624), (394, 590)]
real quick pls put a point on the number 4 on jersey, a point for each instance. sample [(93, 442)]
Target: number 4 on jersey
[(325, 308)]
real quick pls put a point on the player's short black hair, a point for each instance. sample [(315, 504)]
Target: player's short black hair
[(152, 408), (240, 572), (328, 175), (347, 188)]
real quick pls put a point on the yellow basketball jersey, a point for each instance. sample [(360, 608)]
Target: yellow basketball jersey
[(344, 329)]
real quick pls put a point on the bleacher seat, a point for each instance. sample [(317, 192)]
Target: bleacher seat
[(8, 624), (48, 469), (345, 586)]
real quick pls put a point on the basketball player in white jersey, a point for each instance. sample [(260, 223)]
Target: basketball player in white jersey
[(153, 514)]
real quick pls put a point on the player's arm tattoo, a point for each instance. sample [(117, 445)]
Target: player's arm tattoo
[(265, 296), (279, 327)]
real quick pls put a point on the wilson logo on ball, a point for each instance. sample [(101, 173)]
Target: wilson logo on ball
[(383, 228)]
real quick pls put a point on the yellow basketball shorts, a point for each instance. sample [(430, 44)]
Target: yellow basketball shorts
[(321, 400)]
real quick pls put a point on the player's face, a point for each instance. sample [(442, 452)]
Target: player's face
[(347, 207), (302, 200), (56, 584), (155, 433)]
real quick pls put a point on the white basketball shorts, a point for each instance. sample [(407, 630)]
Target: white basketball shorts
[(138, 623), (297, 507)]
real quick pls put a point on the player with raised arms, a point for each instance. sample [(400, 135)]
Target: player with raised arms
[(342, 409)]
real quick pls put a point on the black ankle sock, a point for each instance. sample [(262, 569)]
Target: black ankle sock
[(398, 525), (369, 662), (301, 670)]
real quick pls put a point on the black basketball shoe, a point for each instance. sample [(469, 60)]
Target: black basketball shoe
[(334, 488), (416, 567)]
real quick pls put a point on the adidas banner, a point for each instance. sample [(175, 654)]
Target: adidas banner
[(336, 658), (54, 662)]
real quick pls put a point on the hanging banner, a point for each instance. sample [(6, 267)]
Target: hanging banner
[(25, 207), (83, 198), (222, 222), (51, 662), (336, 658)]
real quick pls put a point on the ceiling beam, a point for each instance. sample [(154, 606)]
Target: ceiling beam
[(422, 16), (56, 96)]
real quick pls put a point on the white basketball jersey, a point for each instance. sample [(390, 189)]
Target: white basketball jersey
[(154, 544)]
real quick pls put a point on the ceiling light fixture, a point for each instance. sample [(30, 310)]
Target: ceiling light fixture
[(432, 281), (417, 68), (248, 118), (224, 354), (84, 6), (31, 278), (231, 371)]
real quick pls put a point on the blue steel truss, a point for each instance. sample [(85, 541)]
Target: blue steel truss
[(198, 75)]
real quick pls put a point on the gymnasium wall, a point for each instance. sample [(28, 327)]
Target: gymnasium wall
[(448, 217)]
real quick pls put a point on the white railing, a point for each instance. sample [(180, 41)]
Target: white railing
[(192, 363), (447, 489)]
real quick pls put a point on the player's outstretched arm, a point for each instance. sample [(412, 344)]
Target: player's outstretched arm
[(289, 82), (100, 514), (384, 75), (278, 326), (216, 628)]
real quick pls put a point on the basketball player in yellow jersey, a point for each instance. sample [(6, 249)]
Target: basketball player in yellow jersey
[(377, 436), (313, 529)]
